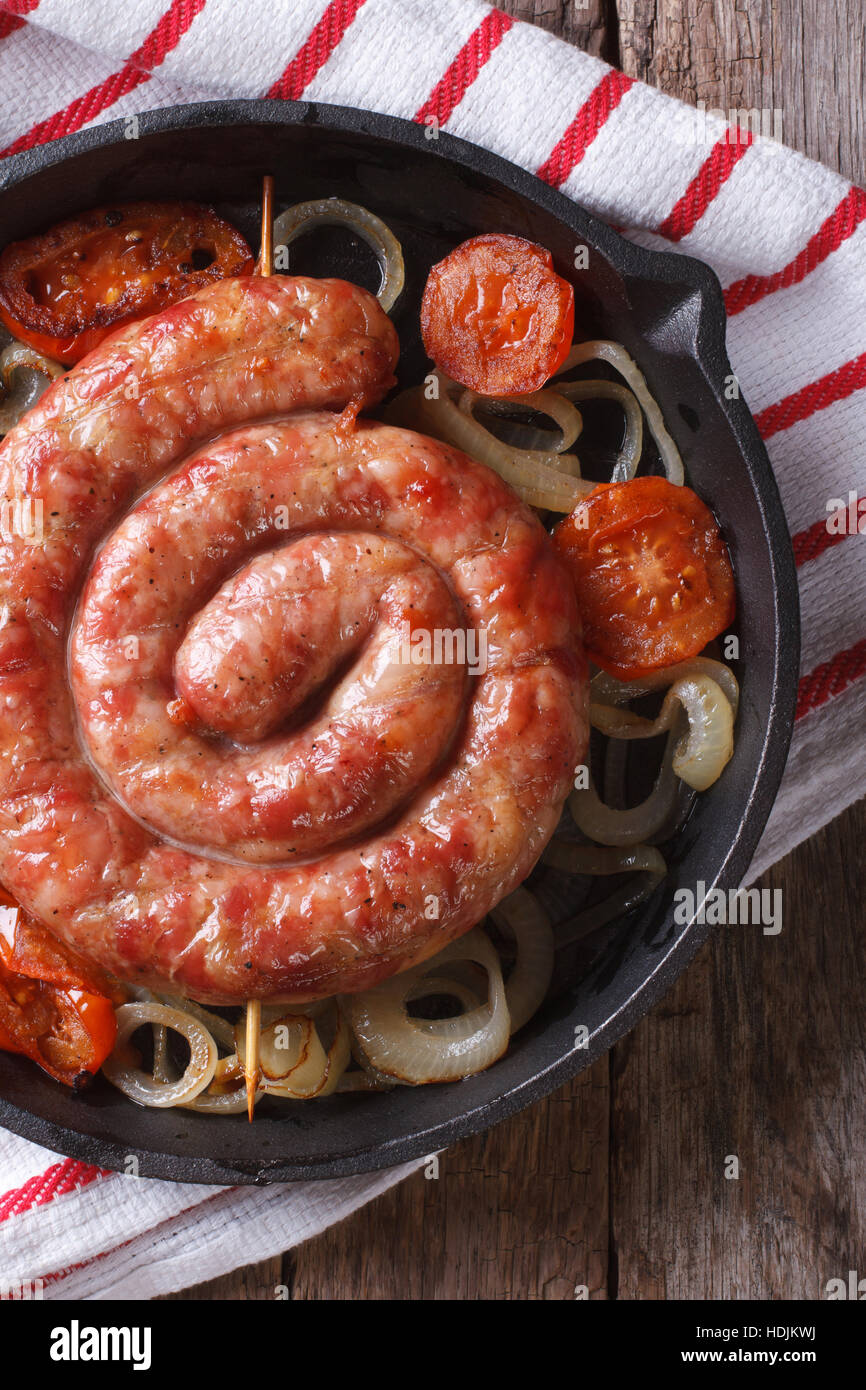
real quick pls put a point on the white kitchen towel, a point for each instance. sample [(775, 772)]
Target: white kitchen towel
[(786, 238)]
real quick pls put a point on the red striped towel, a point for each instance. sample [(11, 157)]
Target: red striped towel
[(784, 236)]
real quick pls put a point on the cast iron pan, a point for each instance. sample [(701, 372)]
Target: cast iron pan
[(668, 312)]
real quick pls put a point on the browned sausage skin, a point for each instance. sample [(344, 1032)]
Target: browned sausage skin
[(168, 850)]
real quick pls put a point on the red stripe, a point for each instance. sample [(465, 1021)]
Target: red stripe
[(837, 228), (818, 395), (13, 15), (451, 89), (815, 539), (831, 678), (704, 187), (316, 51), (56, 1181), (160, 41), (59, 1274), (570, 149)]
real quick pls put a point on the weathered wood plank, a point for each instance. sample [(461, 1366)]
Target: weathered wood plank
[(759, 1052), (585, 23), (520, 1212), (805, 59)]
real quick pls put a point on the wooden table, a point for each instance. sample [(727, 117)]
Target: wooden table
[(617, 1182)]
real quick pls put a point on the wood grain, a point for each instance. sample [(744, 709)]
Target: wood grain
[(805, 59), (587, 25), (617, 1182), (759, 1052), (520, 1212)]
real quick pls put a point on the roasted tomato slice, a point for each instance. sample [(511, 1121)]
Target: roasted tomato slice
[(652, 572), (496, 316), (54, 1008), (68, 288)]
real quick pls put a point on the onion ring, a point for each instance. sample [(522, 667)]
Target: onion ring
[(415, 1051), (145, 1090), (614, 353), (523, 916), (297, 220)]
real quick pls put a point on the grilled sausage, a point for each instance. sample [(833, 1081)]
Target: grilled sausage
[(324, 691)]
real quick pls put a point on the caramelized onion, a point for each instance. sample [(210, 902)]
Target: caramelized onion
[(525, 919), (608, 690), (219, 1028), (222, 1103), (701, 755), (616, 355), (338, 212), (634, 824), (146, 1090), (418, 1051), (539, 479), (297, 1066), (642, 860), (546, 402), (629, 453)]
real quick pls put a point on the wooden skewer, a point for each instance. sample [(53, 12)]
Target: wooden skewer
[(265, 262), (264, 266), (251, 1066)]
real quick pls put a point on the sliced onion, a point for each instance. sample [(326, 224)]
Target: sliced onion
[(378, 1081), (361, 1081), (607, 690), (642, 860), (616, 355), (416, 1051), (145, 1090), (298, 1069), (523, 916), (431, 985), (594, 860), (701, 755), (615, 762), (546, 402), (162, 1070), (635, 824), (21, 389), (277, 1059), (221, 1030), (339, 1054), (539, 484), (309, 1074), (709, 745), (224, 1103), (615, 767), (318, 1072), (629, 454), (304, 1068), (338, 212)]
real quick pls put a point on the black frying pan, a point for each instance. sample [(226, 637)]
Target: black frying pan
[(668, 312)]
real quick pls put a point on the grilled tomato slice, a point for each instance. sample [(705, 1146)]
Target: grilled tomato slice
[(54, 1007), (496, 316), (68, 288), (652, 572)]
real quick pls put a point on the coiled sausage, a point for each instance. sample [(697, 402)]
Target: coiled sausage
[(255, 773)]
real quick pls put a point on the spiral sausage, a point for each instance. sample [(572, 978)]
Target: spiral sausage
[(248, 776)]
